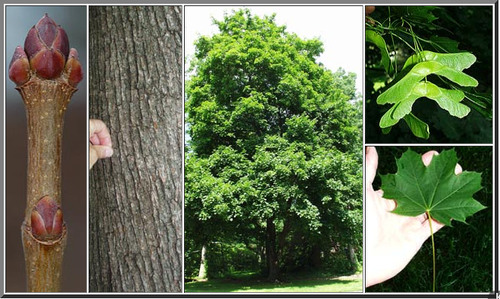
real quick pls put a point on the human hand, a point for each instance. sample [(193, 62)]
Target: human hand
[(100, 142), (391, 240)]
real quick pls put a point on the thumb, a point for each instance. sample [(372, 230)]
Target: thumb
[(98, 152), (102, 151), (371, 161)]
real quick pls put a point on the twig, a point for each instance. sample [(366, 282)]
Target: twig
[(46, 72)]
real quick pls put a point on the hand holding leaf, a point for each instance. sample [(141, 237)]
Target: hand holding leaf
[(391, 240), (436, 190), (433, 189)]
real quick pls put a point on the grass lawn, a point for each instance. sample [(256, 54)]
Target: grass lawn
[(338, 284)]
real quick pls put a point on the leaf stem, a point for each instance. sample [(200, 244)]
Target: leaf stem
[(433, 253)]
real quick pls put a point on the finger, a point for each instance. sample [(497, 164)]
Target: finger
[(369, 10), (98, 128), (422, 218), (371, 164), (389, 205), (425, 232), (92, 157), (95, 140), (427, 157), (436, 225), (102, 151)]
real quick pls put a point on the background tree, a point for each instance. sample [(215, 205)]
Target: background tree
[(136, 196), (274, 159)]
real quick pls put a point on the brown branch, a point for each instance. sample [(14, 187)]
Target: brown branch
[(45, 103)]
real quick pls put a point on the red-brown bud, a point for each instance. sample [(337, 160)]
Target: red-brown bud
[(47, 47), (19, 67), (46, 220), (74, 68)]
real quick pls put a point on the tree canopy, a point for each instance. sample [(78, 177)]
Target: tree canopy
[(274, 158)]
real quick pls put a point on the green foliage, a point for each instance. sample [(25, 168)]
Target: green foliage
[(433, 189), (224, 259), (375, 38), (410, 88), (415, 54), (464, 253), (275, 138)]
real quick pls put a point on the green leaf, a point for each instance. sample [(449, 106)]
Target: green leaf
[(375, 38), (417, 127), (448, 100), (481, 102), (458, 61), (421, 13), (444, 43), (435, 189)]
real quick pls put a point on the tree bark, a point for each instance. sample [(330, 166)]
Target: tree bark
[(271, 252), (352, 257), (202, 274), (315, 257), (136, 196)]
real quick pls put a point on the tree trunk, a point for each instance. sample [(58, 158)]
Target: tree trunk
[(271, 252), (136, 196), (315, 257), (352, 257), (203, 270)]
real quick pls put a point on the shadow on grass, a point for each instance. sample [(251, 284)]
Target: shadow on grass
[(255, 285)]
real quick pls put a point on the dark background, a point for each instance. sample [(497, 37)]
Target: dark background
[(19, 19)]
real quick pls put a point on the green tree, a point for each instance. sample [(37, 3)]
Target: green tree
[(275, 149)]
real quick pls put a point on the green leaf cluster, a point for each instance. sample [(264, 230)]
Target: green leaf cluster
[(408, 45), (414, 85)]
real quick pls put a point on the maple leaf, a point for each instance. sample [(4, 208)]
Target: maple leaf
[(435, 189)]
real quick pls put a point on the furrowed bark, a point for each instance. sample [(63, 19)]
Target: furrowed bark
[(135, 197)]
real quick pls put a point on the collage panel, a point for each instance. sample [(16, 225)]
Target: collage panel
[(429, 74), (45, 149), (407, 186), (226, 150), (136, 107), (273, 168), (429, 79)]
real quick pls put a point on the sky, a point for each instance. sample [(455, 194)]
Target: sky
[(340, 28)]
